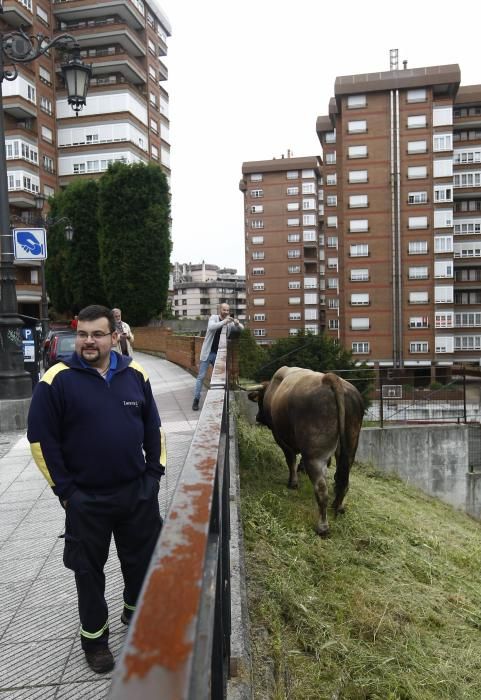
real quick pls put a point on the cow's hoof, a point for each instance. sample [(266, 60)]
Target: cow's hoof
[(340, 510), (290, 485), (322, 530)]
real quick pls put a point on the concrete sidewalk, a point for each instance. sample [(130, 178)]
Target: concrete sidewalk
[(40, 654)]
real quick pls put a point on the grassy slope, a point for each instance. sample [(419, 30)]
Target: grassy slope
[(389, 607)]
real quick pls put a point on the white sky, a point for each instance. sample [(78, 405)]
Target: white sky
[(247, 80)]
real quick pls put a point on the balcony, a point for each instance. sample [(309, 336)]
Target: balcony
[(19, 107), (106, 62), (79, 10), (106, 30), (17, 14)]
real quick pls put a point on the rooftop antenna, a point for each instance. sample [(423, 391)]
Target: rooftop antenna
[(394, 59)]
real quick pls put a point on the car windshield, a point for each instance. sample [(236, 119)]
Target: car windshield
[(66, 343)]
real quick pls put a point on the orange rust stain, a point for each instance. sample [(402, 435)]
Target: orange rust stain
[(170, 604)]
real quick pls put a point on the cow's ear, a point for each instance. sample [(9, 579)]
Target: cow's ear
[(253, 396)]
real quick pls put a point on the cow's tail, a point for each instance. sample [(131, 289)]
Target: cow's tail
[(341, 477)]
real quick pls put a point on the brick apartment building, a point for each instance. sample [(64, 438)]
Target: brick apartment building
[(401, 222), (126, 117), (284, 256)]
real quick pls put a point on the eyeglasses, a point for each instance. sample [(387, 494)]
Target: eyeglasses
[(96, 335)]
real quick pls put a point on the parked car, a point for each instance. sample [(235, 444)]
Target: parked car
[(60, 345)]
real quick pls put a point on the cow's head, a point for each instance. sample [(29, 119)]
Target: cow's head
[(256, 393)]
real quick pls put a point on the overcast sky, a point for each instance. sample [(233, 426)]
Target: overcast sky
[(248, 79)]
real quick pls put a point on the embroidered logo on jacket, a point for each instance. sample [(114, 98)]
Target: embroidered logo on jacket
[(131, 403)]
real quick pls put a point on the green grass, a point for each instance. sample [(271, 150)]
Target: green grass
[(387, 608)]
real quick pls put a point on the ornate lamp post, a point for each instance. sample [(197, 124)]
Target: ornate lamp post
[(17, 47)]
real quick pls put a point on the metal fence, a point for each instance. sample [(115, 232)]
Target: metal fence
[(178, 645), (396, 400)]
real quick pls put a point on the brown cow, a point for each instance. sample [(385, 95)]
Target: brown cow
[(316, 415)]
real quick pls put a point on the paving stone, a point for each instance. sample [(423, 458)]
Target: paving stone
[(53, 623), (89, 690), (45, 692), (31, 663)]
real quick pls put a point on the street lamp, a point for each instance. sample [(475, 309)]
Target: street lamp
[(17, 47), (46, 223)]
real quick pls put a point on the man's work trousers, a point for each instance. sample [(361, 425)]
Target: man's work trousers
[(132, 515), (203, 367)]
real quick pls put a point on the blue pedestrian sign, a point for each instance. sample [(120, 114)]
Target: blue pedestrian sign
[(30, 243)]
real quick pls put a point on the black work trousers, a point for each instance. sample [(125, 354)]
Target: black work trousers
[(131, 514)]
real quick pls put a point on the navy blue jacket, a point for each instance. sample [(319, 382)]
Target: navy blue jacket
[(89, 433)]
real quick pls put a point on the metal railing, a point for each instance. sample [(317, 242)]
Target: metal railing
[(178, 645)]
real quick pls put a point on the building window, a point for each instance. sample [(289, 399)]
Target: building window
[(332, 221), (308, 204), (442, 116), (292, 191), (419, 322), (310, 283), (356, 176), (42, 15), (258, 255), (294, 316), (293, 237), (360, 324), (331, 179), (418, 273), (292, 174), (258, 287), (293, 269), (258, 301), (357, 152), (417, 171), (358, 200), (154, 152), (443, 244), (418, 297), (48, 164), (257, 193), (309, 220), (333, 324), (257, 209), (442, 142), (294, 300), (417, 222), (358, 225), (330, 158), (154, 127), (293, 206), (259, 317), (332, 242), (356, 101), (294, 284), (416, 95), (308, 236), (360, 348), (293, 331), (258, 271), (330, 136), (443, 167), (357, 127), (358, 250), (259, 332), (47, 134), (308, 188), (359, 275), (308, 172), (332, 263), (256, 177), (332, 283), (359, 299), (417, 197), (257, 240), (443, 218), (417, 247), (417, 146), (443, 269), (418, 346), (417, 121), (293, 253), (443, 193), (443, 295), (310, 298), (257, 223)]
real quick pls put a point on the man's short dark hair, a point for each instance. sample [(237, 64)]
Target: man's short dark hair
[(95, 311)]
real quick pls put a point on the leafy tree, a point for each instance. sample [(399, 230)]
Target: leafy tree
[(319, 353), (72, 270), (134, 239), (251, 355)]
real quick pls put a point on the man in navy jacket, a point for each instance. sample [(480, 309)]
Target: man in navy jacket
[(95, 435)]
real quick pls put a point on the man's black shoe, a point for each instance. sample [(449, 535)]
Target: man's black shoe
[(195, 405), (100, 659)]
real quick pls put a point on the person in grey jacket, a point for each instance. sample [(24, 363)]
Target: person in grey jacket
[(210, 345)]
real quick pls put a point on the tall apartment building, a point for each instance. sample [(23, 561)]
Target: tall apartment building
[(399, 223), (284, 251), (127, 113), (199, 289)]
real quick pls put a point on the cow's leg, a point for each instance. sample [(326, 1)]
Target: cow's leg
[(291, 458), (317, 471), (341, 481)]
